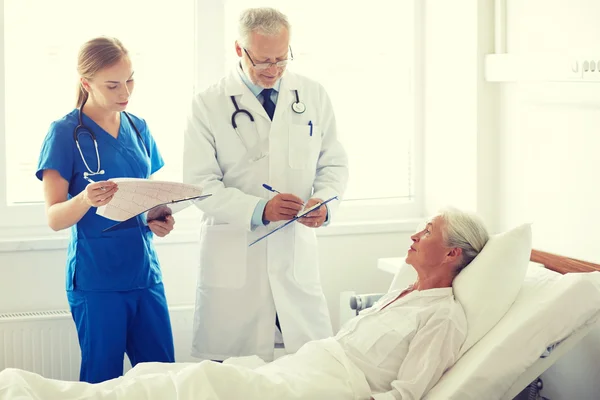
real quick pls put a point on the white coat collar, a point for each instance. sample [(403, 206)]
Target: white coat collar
[(235, 86)]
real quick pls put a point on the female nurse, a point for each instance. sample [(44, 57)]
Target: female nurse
[(114, 282)]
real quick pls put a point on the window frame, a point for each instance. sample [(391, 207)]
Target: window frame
[(29, 220)]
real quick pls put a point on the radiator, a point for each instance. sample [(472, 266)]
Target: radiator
[(46, 342)]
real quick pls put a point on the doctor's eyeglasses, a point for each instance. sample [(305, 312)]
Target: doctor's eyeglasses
[(263, 66)]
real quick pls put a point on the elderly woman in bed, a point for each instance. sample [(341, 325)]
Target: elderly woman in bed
[(397, 349)]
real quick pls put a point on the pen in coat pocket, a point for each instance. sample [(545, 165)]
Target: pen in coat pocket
[(311, 127)]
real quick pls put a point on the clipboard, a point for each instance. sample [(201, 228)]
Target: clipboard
[(302, 214), (156, 213)]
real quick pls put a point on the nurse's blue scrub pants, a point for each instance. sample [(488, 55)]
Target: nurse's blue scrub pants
[(110, 324)]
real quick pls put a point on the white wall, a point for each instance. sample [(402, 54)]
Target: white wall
[(33, 280), (461, 156), (549, 160)]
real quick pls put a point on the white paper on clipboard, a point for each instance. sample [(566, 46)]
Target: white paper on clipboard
[(302, 214), (137, 195), (313, 208), (159, 212)]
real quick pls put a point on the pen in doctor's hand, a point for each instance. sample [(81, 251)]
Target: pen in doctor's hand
[(282, 207), (270, 189)]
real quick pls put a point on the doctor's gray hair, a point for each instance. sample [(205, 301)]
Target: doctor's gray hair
[(94, 55), (265, 20), (465, 231)]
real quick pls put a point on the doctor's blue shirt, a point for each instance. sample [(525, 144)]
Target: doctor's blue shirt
[(104, 261)]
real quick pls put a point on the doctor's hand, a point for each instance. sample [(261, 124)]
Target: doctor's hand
[(316, 218), (162, 228), (99, 193), (282, 207)]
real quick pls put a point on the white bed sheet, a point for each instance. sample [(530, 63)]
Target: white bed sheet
[(293, 378), (549, 308)]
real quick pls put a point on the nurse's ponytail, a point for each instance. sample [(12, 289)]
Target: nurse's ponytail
[(82, 95), (94, 55)]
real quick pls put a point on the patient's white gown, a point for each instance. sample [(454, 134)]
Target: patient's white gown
[(396, 350)]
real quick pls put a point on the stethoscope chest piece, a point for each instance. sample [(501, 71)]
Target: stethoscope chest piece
[(298, 107)]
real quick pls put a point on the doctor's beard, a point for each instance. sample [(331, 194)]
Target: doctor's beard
[(255, 76)]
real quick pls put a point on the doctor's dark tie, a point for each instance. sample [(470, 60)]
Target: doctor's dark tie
[(268, 103)]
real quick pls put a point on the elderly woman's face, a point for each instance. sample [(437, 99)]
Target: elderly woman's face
[(428, 248)]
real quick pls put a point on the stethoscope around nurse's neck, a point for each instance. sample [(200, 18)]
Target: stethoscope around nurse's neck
[(81, 128), (298, 107)]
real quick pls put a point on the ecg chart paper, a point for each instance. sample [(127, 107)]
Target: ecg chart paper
[(138, 195)]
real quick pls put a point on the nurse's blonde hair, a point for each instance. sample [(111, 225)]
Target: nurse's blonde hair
[(94, 55), (265, 20)]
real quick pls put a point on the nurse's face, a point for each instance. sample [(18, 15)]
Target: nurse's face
[(111, 87), (264, 49)]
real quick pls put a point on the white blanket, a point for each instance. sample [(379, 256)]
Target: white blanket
[(319, 370)]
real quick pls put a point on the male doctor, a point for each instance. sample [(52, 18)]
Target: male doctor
[(261, 125)]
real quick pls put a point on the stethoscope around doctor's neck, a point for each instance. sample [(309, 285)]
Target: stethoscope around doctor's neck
[(298, 107), (81, 128)]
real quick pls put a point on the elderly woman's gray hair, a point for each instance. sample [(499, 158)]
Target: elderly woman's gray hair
[(466, 231), (267, 21)]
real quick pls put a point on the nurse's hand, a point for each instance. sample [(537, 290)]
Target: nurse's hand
[(316, 218), (162, 228), (282, 207), (158, 213), (99, 193)]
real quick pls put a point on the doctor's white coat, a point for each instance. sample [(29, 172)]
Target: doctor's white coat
[(239, 287)]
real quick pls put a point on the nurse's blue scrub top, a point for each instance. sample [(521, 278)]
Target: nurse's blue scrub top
[(96, 261)]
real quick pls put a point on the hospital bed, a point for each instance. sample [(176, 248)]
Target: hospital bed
[(553, 309)]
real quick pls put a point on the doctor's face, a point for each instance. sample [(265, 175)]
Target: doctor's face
[(111, 87), (264, 49)]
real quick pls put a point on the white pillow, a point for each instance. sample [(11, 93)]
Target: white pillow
[(548, 308), (489, 285)]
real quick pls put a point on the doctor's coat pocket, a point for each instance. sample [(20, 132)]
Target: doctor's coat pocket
[(306, 257), (223, 257), (304, 148)]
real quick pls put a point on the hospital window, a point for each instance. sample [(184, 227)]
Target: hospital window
[(41, 40)]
